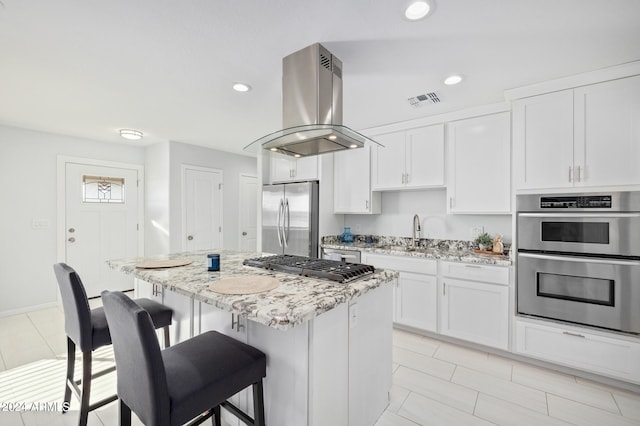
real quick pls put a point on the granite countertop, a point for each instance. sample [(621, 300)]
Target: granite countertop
[(449, 250), (296, 300)]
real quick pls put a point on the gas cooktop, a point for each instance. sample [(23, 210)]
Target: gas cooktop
[(332, 270)]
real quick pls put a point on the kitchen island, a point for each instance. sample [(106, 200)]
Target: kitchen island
[(328, 345)]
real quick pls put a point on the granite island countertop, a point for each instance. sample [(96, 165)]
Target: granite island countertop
[(296, 300), (452, 251)]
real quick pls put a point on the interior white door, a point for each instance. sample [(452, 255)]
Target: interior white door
[(101, 223), (248, 213), (202, 209)]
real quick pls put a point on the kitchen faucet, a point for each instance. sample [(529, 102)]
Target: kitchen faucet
[(416, 229)]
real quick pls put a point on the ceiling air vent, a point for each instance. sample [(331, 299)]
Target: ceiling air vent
[(421, 100)]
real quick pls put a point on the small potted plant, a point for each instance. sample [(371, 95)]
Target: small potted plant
[(484, 241)]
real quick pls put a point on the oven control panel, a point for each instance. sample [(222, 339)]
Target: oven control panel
[(577, 202)]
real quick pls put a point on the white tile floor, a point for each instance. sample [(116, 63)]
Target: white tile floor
[(434, 383)]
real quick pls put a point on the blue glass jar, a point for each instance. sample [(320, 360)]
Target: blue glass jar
[(213, 262), (347, 236)]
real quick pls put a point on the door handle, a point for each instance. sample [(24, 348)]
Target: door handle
[(278, 220), (244, 234), (285, 231), (189, 237)]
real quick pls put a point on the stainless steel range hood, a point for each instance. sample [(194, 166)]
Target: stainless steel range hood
[(311, 107)]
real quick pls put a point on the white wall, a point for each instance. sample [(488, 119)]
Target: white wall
[(28, 161), (157, 202), (398, 208), (232, 165)]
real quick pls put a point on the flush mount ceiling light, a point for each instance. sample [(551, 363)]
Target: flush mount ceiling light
[(453, 79), (417, 10), (241, 87), (133, 135)]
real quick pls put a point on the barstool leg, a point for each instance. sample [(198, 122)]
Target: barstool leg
[(86, 387), (125, 414), (71, 362), (258, 404), (216, 420)]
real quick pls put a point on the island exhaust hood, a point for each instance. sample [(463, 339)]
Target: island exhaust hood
[(311, 107)]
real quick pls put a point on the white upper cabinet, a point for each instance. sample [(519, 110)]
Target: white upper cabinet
[(352, 182), (479, 165), (285, 168), (607, 133), (543, 140), (409, 159), (583, 137)]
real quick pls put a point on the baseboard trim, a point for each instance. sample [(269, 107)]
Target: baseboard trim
[(28, 309)]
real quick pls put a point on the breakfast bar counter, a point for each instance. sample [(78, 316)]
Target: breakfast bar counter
[(328, 344)]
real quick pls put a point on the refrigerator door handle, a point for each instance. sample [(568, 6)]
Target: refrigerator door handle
[(278, 220), (285, 231)]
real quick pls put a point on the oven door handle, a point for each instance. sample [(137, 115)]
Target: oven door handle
[(622, 262), (595, 215)]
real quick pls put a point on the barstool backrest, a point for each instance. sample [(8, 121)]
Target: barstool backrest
[(77, 313), (142, 382)]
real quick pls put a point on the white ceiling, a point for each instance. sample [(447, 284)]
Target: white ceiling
[(87, 68)]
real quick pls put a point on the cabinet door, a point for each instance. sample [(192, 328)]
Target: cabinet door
[(543, 141), (306, 168), (416, 301), (352, 182), (479, 165), (388, 162), (607, 138), (282, 167), (476, 312), (285, 168), (425, 157)]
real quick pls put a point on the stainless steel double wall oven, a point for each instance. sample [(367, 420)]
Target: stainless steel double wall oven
[(578, 258)]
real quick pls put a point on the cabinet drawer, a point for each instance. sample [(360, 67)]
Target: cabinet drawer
[(473, 272), (401, 263), (574, 348)]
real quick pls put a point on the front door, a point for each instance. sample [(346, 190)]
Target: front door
[(101, 223)]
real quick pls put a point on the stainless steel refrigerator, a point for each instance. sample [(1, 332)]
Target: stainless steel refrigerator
[(290, 218)]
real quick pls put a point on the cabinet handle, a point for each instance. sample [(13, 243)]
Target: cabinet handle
[(366, 204), (403, 178), (578, 179), (573, 334), (444, 289), (408, 178), (473, 266), (236, 323), (450, 202), (570, 174)]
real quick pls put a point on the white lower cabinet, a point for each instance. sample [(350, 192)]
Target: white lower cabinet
[(474, 303), (573, 347), (416, 292)]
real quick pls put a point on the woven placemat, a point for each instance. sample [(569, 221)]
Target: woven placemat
[(248, 284), (167, 263)]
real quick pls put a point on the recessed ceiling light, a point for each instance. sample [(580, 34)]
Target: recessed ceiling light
[(297, 155), (133, 135), (353, 146), (417, 10), (241, 87), (333, 137), (453, 79)]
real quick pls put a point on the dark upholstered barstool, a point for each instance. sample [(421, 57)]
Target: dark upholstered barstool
[(87, 328), (188, 381)]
